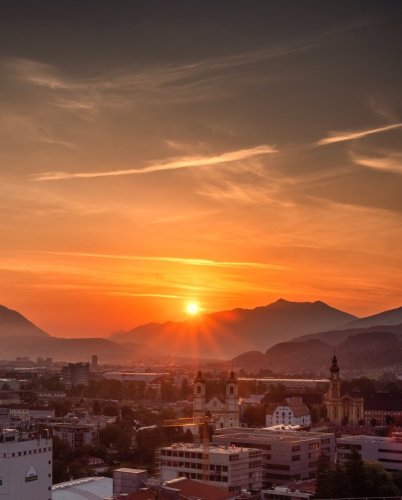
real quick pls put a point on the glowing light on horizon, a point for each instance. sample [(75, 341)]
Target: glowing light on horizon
[(192, 308)]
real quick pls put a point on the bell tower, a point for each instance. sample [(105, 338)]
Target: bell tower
[(335, 381), (199, 395), (232, 400)]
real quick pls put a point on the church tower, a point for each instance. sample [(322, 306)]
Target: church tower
[(199, 396), (334, 381), (232, 401), (342, 409)]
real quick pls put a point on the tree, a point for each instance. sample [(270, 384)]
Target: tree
[(324, 477), (378, 482), (356, 474)]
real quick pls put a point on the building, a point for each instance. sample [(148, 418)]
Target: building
[(229, 467), (291, 412), (94, 488), (28, 412), (128, 480), (25, 466), (75, 435), (94, 362), (75, 374), (383, 408), (287, 455), (224, 409), (284, 493), (342, 409), (292, 384), (385, 450), (180, 489)]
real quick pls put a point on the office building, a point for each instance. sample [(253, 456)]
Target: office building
[(75, 374), (385, 450), (228, 467), (287, 455)]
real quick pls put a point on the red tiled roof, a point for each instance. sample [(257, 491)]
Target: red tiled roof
[(186, 488)]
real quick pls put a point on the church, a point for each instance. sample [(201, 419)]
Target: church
[(342, 409), (224, 409)]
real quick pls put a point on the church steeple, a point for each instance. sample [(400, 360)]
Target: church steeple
[(335, 381), (334, 368)]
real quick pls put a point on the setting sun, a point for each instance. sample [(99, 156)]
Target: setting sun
[(192, 308)]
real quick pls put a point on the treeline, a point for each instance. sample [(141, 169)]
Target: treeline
[(355, 479)]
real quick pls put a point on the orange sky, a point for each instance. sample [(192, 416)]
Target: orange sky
[(231, 163)]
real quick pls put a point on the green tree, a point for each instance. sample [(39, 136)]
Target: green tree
[(324, 477), (356, 475)]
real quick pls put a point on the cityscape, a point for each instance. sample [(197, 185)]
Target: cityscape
[(201, 266)]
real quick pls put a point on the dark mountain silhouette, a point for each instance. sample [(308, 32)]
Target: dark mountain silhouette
[(12, 323), (20, 337), (365, 350), (390, 317), (227, 333), (335, 337)]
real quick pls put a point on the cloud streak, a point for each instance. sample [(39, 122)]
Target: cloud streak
[(387, 163), (178, 260), (351, 135), (174, 164)]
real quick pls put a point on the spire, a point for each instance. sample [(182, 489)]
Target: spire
[(334, 368), (199, 377), (232, 375)]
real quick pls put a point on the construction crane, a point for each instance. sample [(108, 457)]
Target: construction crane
[(203, 424)]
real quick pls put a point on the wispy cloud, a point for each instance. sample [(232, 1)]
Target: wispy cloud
[(174, 164), (390, 162), (351, 135), (179, 260), (155, 295)]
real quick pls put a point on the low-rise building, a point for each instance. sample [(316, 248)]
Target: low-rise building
[(284, 493), (128, 480), (28, 412), (94, 488), (287, 455), (229, 467), (383, 408), (291, 412), (25, 465), (385, 450), (75, 435)]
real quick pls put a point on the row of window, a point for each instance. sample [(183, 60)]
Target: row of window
[(22, 453), (193, 475), (193, 465)]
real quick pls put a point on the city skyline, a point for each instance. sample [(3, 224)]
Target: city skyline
[(226, 154)]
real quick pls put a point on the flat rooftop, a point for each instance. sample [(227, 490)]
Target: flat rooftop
[(84, 489), (216, 449), (372, 439), (267, 434)]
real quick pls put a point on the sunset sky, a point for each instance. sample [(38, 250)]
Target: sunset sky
[(230, 153)]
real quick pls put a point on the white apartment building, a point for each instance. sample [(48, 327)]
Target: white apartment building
[(287, 455), (25, 466), (291, 412), (385, 450), (229, 467)]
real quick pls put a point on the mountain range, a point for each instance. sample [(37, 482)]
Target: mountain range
[(227, 333), (282, 336)]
